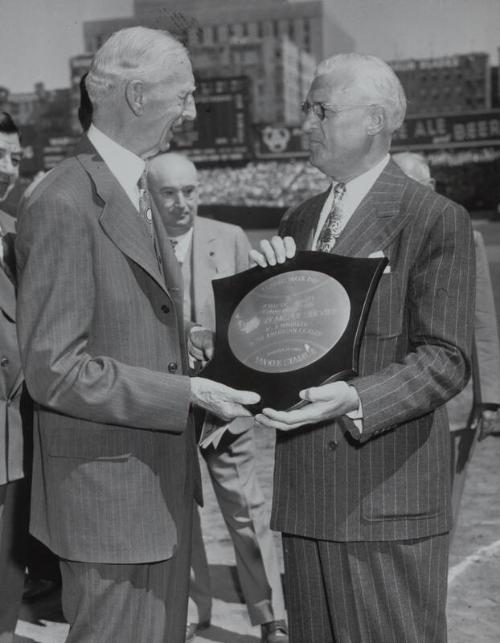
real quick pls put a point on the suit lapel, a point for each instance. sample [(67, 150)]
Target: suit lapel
[(119, 218), (8, 296), (308, 220), (377, 219)]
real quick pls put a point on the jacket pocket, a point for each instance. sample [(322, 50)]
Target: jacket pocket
[(88, 444)]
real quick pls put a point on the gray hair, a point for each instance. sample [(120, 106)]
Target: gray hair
[(376, 78), (135, 53)]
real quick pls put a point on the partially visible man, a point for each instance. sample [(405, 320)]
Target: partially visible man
[(103, 346), (207, 250), (361, 487), (473, 413), (13, 495)]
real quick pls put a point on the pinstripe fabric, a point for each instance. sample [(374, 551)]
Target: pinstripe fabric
[(128, 603), (359, 592), (99, 334), (391, 483)]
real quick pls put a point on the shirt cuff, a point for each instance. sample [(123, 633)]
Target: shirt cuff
[(357, 416)]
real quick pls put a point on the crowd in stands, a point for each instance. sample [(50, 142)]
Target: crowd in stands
[(270, 184)]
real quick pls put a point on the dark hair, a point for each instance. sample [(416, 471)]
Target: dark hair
[(7, 125), (85, 109)]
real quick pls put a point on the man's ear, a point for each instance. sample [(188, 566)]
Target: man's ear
[(377, 119), (134, 92)]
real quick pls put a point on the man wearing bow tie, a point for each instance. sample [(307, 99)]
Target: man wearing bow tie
[(103, 345), (362, 471)]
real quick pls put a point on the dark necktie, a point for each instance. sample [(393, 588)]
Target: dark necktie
[(333, 224)]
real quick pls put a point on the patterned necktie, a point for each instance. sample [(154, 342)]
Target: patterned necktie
[(333, 224), (174, 243), (145, 209)]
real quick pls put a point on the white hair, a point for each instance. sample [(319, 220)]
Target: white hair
[(135, 53), (374, 77)]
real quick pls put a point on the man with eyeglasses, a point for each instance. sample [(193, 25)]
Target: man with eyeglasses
[(362, 471), (206, 250)]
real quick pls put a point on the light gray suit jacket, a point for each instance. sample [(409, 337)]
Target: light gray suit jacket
[(101, 336), (11, 376), (392, 481)]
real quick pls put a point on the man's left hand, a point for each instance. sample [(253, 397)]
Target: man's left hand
[(325, 403), (201, 344)]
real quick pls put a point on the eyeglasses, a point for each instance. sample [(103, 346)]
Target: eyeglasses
[(320, 109)]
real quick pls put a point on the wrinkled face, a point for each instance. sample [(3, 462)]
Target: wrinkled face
[(173, 184), (338, 143), (168, 104), (10, 159)]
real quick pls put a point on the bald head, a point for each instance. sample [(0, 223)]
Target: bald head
[(173, 181), (415, 166)]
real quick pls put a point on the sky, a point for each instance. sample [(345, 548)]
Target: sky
[(38, 36)]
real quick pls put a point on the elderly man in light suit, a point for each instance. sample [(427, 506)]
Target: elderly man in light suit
[(103, 346), (208, 250), (361, 487)]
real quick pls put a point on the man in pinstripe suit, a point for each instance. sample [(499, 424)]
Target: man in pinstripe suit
[(102, 341), (361, 488)]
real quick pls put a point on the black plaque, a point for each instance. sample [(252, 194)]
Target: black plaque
[(284, 328)]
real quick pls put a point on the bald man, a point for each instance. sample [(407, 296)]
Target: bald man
[(207, 250)]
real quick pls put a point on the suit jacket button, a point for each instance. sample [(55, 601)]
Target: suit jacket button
[(165, 309), (172, 367), (332, 445), (4, 362)]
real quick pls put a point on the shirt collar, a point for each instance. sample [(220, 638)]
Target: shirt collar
[(358, 188), (126, 166)]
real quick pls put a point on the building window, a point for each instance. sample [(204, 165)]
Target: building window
[(215, 33), (291, 30), (275, 28), (260, 29), (245, 29), (230, 31)]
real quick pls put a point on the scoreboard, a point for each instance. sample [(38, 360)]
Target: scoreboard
[(221, 131)]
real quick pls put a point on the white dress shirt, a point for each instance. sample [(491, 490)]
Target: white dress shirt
[(355, 192), (126, 166), (182, 244)]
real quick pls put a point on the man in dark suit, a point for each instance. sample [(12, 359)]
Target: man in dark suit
[(102, 341), (13, 496), (207, 250), (361, 487)]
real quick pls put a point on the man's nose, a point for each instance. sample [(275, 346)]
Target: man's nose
[(308, 122), (189, 113)]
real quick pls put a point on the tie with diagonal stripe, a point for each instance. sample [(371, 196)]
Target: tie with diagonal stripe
[(145, 209), (333, 224)]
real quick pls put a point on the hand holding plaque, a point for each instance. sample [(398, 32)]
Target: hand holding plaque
[(286, 327)]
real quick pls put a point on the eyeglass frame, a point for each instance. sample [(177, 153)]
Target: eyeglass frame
[(307, 107)]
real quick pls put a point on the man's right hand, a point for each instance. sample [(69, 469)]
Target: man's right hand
[(221, 400), (278, 250)]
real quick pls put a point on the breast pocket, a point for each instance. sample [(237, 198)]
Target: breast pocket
[(385, 318)]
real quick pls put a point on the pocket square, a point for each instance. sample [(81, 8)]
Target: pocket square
[(379, 254)]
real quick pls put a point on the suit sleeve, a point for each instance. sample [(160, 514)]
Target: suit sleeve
[(439, 321), (241, 251), (56, 301), (486, 329)]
